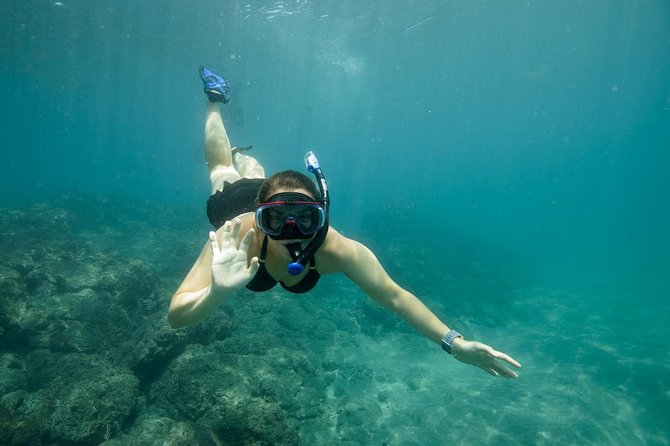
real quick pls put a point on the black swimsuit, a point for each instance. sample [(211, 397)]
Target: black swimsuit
[(235, 199), (263, 281)]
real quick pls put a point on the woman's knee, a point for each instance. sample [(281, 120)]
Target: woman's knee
[(256, 172), (219, 174), (252, 170), (249, 167)]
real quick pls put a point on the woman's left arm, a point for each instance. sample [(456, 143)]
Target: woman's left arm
[(363, 268)]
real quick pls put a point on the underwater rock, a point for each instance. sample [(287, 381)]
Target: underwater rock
[(194, 382), (158, 430), (79, 320), (12, 373), (67, 399), (297, 319), (216, 391), (160, 343), (18, 430), (65, 293), (15, 430), (12, 306), (90, 401), (155, 350), (218, 326), (248, 422), (352, 419), (132, 284), (376, 321)]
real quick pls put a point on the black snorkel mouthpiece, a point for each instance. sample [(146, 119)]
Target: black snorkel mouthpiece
[(302, 256), (295, 268)]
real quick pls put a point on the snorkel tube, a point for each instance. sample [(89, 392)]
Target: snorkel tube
[(300, 258)]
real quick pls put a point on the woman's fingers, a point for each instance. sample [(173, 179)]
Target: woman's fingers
[(503, 357), (504, 371), (246, 240), (225, 235), (253, 266), (213, 242), (500, 368), (507, 373), (497, 370), (235, 232), (491, 361)]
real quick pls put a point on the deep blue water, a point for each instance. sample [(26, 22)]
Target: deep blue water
[(535, 134)]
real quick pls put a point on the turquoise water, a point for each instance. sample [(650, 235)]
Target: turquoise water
[(506, 161)]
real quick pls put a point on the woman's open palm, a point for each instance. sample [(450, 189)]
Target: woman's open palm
[(229, 260)]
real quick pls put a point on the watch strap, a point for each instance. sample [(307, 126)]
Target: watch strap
[(448, 339)]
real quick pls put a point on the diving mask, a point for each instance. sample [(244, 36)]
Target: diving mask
[(290, 215)]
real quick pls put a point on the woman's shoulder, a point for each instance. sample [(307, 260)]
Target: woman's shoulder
[(247, 219), (335, 252), (334, 241)]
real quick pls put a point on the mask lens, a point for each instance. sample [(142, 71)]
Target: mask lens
[(307, 219), (280, 218)]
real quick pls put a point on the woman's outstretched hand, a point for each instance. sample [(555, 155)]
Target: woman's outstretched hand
[(484, 357), (229, 260)]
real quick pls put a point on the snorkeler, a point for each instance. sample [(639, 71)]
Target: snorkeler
[(277, 230)]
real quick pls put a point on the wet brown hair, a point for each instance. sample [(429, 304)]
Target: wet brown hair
[(289, 180)]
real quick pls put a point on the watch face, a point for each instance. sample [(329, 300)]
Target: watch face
[(446, 346)]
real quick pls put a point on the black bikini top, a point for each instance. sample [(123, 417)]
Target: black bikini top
[(263, 281)]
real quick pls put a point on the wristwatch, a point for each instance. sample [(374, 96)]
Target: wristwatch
[(448, 339)]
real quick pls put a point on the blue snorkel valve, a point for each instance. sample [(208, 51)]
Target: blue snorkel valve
[(302, 256), (295, 268)]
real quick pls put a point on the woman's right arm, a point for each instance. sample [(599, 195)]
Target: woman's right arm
[(220, 270)]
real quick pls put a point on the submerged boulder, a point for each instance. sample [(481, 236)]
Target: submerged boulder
[(91, 399), (224, 401)]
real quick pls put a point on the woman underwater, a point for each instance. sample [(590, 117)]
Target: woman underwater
[(277, 230)]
